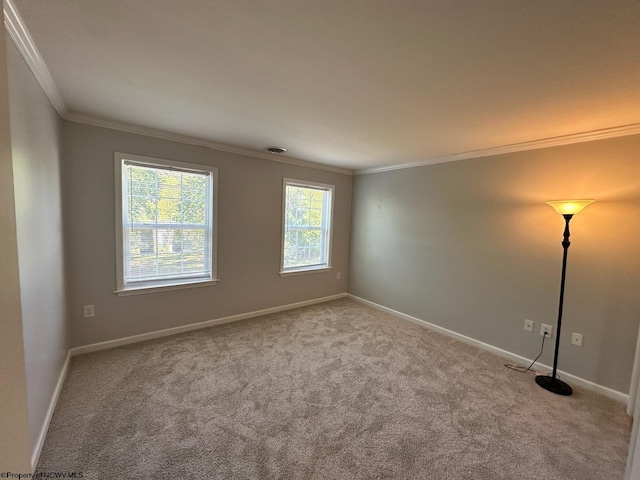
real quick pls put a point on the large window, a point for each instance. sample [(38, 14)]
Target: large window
[(165, 223), (306, 232)]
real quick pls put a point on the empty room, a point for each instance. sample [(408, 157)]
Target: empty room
[(263, 239)]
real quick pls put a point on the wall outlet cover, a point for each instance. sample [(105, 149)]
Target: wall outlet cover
[(88, 311), (576, 339)]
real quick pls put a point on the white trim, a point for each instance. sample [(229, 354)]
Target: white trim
[(177, 137), (37, 448), (27, 47), (635, 377), (94, 347), (25, 44), (601, 134), (18, 32), (21, 37), (165, 288), (589, 385), (633, 455), (302, 271)]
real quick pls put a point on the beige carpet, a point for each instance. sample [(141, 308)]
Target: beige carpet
[(331, 391)]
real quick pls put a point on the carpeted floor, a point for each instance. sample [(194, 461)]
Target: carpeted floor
[(332, 391)]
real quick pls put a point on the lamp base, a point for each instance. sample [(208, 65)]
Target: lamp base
[(554, 385)]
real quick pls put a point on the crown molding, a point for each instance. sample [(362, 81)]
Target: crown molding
[(593, 135), (176, 137), (18, 32), (21, 37)]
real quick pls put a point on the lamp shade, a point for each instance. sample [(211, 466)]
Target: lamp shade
[(569, 207)]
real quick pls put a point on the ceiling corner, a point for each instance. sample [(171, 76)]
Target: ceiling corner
[(22, 39)]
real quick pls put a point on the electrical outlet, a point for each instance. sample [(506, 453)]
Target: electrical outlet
[(576, 339), (548, 329), (528, 325), (338, 275), (88, 311)]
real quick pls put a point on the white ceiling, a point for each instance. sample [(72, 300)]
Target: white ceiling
[(348, 83)]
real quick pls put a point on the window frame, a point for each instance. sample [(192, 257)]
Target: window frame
[(122, 288), (329, 236)]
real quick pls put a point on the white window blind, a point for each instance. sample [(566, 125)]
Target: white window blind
[(167, 224), (307, 226)]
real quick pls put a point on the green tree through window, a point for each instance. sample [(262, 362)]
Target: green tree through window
[(307, 221), (167, 223)]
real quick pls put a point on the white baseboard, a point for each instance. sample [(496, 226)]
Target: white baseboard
[(94, 347), (606, 391), (35, 455)]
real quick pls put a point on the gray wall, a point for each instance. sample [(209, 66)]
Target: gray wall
[(14, 423), (249, 233), (36, 147), (472, 247)]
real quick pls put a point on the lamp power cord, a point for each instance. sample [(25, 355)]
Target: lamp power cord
[(522, 369)]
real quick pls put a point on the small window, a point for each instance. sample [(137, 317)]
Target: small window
[(165, 223), (306, 232)]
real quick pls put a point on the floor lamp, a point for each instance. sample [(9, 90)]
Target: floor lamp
[(566, 208)]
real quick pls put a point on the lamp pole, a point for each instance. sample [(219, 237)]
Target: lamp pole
[(565, 246)]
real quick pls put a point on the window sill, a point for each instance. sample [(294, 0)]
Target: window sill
[(303, 270), (163, 288)]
